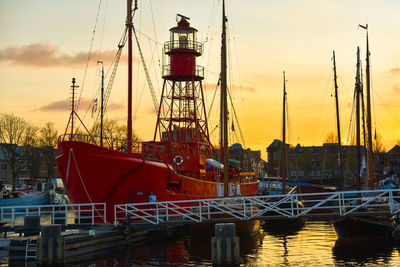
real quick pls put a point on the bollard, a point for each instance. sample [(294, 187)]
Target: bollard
[(31, 225), (51, 248), (225, 245)]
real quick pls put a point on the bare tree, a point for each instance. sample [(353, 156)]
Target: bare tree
[(48, 143), (12, 136), (114, 134), (331, 138), (31, 152), (377, 144)]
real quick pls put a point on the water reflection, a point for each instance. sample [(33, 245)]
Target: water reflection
[(314, 245), (200, 247), (360, 253)]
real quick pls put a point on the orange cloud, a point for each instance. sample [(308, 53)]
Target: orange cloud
[(115, 106), (396, 88), (44, 55), (209, 86), (244, 88), (64, 105), (395, 70)]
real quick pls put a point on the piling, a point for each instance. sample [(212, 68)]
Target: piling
[(225, 245), (31, 225), (51, 248)]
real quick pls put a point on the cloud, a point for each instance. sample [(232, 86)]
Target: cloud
[(396, 88), (64, 105), (45, 55), (152, 111), (244, 88), (115, 106), (395, 70), (209, 86)]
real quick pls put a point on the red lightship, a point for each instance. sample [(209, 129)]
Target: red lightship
[(176, 165)]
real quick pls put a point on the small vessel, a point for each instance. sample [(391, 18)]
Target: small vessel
[(173, 166), (365, 227), (22, 197), (287, 225), (25, 199)]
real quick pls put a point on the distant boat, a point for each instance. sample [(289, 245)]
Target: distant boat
[(286, 225), (364, 227), (26, 199)]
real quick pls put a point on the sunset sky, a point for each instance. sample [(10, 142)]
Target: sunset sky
[(45, 43)]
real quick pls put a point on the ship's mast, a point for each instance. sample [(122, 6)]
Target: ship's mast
[(358, 94), (73, 86), (102, 104), (129, 27), (369, 128), (340, 182), (283, 161), (224, 106)]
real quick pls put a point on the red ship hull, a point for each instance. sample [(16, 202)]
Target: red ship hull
[(94, 174)]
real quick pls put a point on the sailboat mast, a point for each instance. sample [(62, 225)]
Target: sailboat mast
[(73, 86), (340, 182), (358, 87), (102, 104), (283, 162), (129, 27), (369, 128), (224, 106)]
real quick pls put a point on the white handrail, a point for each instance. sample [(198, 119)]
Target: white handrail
[(261, 207), (95, 212)]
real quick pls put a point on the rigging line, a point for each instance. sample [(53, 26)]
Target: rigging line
[(113, 67), (102, 30), (237, 120), (351, 126), (155, 46), (149, 83), (89, 54), (215, 93), (154, 24), (372, 92), (307, 97), (148, 37), (391, 113)]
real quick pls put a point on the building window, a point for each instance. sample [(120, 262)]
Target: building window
[(4, 166)]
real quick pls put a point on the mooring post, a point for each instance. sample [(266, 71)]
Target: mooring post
[(31, 225), (225, 245), (128, 227), (51, 248)]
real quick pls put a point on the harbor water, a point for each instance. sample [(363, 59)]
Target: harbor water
[(315, 244)]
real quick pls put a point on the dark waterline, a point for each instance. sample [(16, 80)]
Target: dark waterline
[(314, 245)]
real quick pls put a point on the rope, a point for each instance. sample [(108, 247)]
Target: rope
[(84, 187), (80, 177), (68, 165), (90, 52)]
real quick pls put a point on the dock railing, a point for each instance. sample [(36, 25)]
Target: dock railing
[(326, 204), (61, 213)]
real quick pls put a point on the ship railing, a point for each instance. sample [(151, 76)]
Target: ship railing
[(198, 71), (197, 47), (60, 214), (108, 142), (326, 204)]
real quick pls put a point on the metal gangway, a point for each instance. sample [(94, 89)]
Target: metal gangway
[(322, 205)]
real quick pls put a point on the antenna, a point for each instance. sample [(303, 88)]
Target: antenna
[(180, 17)]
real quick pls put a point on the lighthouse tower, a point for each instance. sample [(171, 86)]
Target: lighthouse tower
[(181, 135)]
